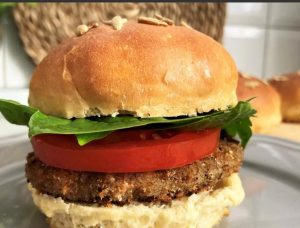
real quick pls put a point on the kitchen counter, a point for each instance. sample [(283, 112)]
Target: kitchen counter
[(289, 131)]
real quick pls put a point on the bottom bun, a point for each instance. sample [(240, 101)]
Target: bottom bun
[(204, 209)]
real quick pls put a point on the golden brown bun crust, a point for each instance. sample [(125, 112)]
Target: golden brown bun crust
[(142, 69), (266, 103), (288, 86)]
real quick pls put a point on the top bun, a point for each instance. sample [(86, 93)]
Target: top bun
[(288, 86), (140, 69), (266, 102)]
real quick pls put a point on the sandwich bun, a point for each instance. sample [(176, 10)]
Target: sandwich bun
[(141, 69), (266, 102), (204, 210), (288, 86)]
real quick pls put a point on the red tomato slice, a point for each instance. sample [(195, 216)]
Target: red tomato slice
[(126, 151)]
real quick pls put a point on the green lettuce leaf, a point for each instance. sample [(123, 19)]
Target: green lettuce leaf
[(241, 128), (234, 120), (15, 112), (83, 139)]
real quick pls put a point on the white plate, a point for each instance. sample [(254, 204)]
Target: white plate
[(270, 175)]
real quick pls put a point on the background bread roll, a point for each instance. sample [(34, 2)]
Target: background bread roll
[(266, 102), (288, 86)]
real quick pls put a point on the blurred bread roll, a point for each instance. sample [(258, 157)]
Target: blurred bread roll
[(266, 102), (288, 86)]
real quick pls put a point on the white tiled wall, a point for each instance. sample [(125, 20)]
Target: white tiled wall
[(244, 42), (282, 51), (285, 15), (247, 13), (264, 38), (16, 66), (1, 59)]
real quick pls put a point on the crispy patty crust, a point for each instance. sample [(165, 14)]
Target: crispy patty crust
[(158, 186)]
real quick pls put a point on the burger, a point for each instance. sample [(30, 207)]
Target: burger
[(266, 102), (134, 124), (288, 86)]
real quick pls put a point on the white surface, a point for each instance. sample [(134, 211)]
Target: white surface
[(283, 52), (246, 45), (285, 14), (247, 13)]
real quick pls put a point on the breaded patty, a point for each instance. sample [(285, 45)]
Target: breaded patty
[(157, 186)]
